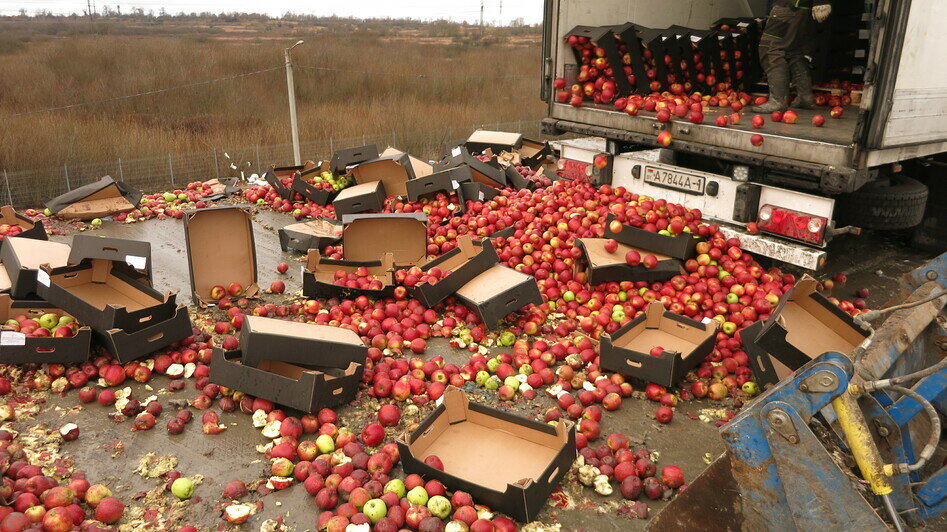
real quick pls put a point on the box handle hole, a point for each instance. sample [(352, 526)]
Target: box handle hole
[(338, 390), (146, 318), (113, 250), (156, 337), (512, 301), (45, 349), (632, 363), (71, 275), (426, 432), (552, 475)]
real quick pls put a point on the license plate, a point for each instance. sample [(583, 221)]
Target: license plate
[(692, 184)]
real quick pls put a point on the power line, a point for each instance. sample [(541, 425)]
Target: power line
[(147, 93), (402, 74)]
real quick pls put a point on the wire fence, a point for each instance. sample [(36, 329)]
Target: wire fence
[(31, 188)]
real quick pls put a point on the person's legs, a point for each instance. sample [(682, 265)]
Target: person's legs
[(777, 45), (799, 64)]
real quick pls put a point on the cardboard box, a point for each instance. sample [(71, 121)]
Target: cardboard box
[(128, 317), (803, 326), (465, 262), (220, 251), (488, 173), (311, 192), (31, 229), (603, 267), (516, 180), (497, 141), (103, 198), (306, 390), (22, 257), (275, 175), (367, 237), (497, 292), (507, 462), (319, 277), (342, 159), (363, 197), (682, 246), (17, 348), (686, 343), (393, 168), (133, 256), (303, 344), (314, 234), (442, 181), (477, 192), (533, 153)]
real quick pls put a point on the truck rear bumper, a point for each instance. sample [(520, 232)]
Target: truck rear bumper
[(778, 249)]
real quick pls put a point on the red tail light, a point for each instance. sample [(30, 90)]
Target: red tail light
[(792, 224)]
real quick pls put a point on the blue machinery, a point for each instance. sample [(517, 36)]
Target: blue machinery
[(831, 447)]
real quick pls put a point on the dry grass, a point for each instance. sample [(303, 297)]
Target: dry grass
[(47, 68)]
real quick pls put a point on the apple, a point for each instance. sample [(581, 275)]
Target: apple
[(722, 121), (218, 292), (439, 506), (611, 245), (235, 290), (375, 509), (757, 121), (790, 117), (776, 116), (633, 258), (756, 140), (836, 112), (418, 496), (657, 351), (818, 120), (664, 138), (325, 443), (48, 320)]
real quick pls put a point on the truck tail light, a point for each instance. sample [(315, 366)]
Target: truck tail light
[(792, 224)]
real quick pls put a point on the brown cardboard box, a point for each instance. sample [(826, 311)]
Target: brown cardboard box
[(303, 344), (602, 266), (496, 141), (275, 175), (314, 234), (442, 181), (477, 192), (22, 257), (803, 326), (366, 237), (465, 262), (319, 277), (533, 153), (686, 343), (128, 317), (497, 292), (301, 184), (507, 462), (220, 251), (306, 390), (393, 168), (488, 173), (103, 198), (17, 348), (359, 198), (31, 229), (342, 159)]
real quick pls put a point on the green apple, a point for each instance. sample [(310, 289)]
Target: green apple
[(375, 509), (481, 378), (47, 212), (96, 222), (418, 495), (732, 298), (493, 364), (182, 196), (569, 296), (182, 488), (493, 383), (65, 320), (512, 382), (506, 338), (729, 328), (439, 506), (325, 443), (526, 369), (48, 320), (395, 486), (750, 388), (15, 325)]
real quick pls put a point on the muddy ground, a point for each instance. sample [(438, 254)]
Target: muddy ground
[(109, 452)]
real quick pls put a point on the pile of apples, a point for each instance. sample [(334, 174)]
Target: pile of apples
[(9, 230), (299, 207), (596, 78), (48, 325), (168, 204), (326, 181), (415, 276), (361, 279)]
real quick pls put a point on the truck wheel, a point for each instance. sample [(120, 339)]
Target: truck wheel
[(894, 203)]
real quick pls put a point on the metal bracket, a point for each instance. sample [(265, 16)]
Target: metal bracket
[(819, 382), (782, 424)]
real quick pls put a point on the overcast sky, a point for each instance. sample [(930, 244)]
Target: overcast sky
[(460, 10)]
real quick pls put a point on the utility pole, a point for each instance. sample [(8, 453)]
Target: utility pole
[(501, 13), (291, 88), (481, 19)]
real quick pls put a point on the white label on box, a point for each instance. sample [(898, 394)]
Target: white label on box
[(695, 38), (706, 320), (480, 196), (743, 25), (455, 152), (42, 277), (12, 338), (455, 184), (139, 263)]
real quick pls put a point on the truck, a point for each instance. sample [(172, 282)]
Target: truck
[(820, 182)]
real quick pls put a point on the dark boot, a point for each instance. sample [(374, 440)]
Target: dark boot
[(802, 79), (778, 79)]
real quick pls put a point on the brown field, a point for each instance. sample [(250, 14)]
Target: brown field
[(61, 61)]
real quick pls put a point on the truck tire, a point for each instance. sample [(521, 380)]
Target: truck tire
[(894, 203)]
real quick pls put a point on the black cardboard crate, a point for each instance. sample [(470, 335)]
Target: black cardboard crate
[(368, 237), (22, 257), (604, 37), (531, 457), (686, 344), (488, 173), (497, 292), (497, 141), (344, 158), (131, 256), (477, 192), (360, 198), (443, 181), (393, 168), (314, 234), (101, 198), (31, 229), (533, 153), (128, 346), (603, 267), (303, 344), (628, 34), (306, 390), (275, 174), (516, 180), (304, 188), (465, 262), (682, 246), (319, 273), (803, 326), (17, 348), (220, 251)]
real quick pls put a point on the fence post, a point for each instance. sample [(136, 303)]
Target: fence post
[(364, 140), (65, 170), (216, 163), (258, 169), (9, 194), (121, 171), (331, 146), (171, 169)]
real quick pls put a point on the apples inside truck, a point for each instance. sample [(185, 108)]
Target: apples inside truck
[(785, 184)]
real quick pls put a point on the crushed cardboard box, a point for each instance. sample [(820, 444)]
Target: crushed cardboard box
[(345, 158), (685, 344), (314, 234), (497, 141), (505, 461), (105, 197)]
